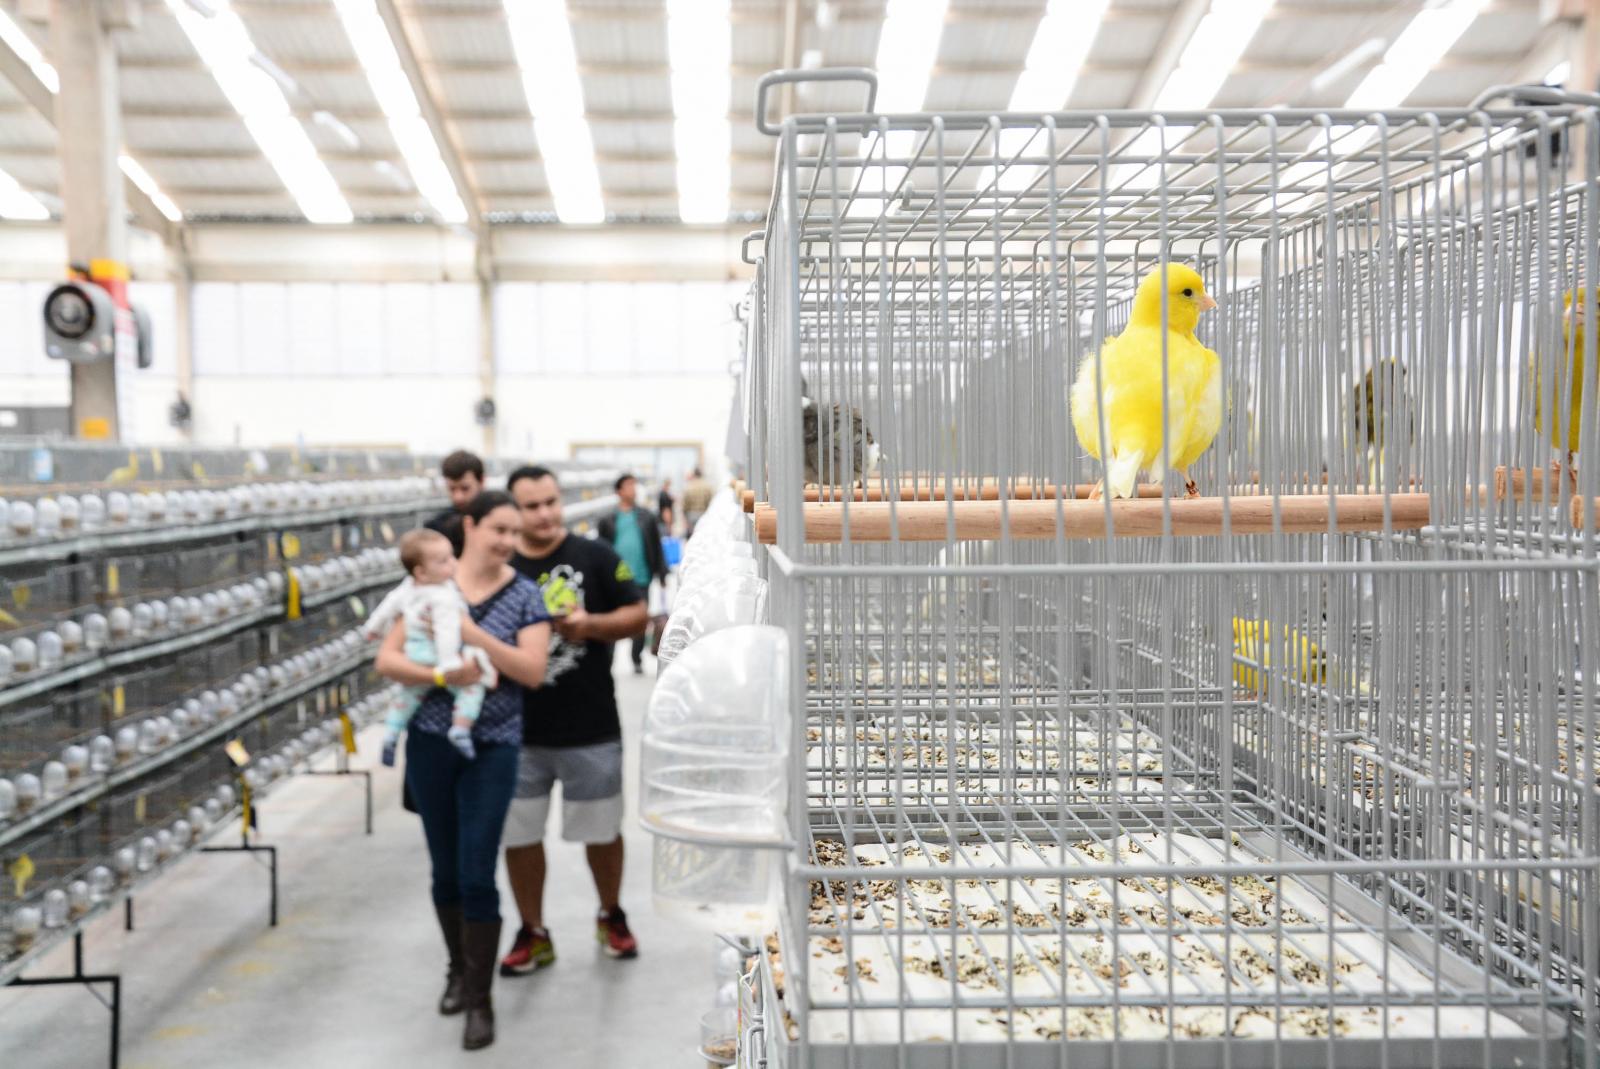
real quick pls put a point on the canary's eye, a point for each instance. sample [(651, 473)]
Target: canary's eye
[(1188, 293)]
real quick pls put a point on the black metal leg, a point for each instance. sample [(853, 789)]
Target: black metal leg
[(272, 866), (365, 774), (80, 977), (127, 914)]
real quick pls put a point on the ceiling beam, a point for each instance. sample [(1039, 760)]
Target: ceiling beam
[(213, 155), (40, 100), (1164, 58), (448, 149)]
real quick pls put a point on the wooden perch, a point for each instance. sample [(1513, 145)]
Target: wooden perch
[(924, 491), (925, 521), (1578, 510)]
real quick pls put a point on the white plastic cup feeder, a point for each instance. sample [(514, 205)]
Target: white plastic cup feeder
[(71, 633), (51, 649), (24, 656), (120, 622), (47, 517), (22, 519), (75, 759), (96, 632), (92, 509)]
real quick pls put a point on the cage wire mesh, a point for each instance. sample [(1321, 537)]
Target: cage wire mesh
[(1291, 795)]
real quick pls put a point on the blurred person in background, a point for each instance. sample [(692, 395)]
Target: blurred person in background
[(635, 536), (696, 499), (664, 506), (463, 481), (571, 729)]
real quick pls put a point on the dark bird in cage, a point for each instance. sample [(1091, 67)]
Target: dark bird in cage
[(1382, 398), (839, 447)]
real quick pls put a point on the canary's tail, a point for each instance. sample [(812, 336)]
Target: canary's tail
[(1122, 474)]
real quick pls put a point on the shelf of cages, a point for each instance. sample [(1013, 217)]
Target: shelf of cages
[(1268, 796), (171, 723), (147, 530), (86, 870), (42, 721)]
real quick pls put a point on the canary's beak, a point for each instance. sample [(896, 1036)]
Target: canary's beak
[(1207, 302)]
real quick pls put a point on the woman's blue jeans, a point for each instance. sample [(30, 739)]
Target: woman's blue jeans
[(463, 808)]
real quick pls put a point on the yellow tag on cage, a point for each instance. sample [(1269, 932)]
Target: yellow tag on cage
[(338, 539), (272, 550), (244, 807), (356, 606), (141, 807), (291, 545), (113, 580), (386, 531), (155, 460), (237, 753), (119, 700), (347, 731), (21, 595), (22, 871), (292, 609), (198, 470), (322, 703)]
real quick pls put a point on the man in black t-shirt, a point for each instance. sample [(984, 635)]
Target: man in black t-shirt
[(570, 728)]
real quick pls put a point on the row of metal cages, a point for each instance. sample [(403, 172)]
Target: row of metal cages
[(1289, 791), (53, 614), (103, 848), (52, 743), (1415, 747), (57, 461), (1392, 335)]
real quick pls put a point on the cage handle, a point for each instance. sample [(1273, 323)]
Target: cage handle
[(822, 74), (744, 246), (1538, 94)]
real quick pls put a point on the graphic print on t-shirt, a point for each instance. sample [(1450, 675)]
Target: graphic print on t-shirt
[(562, 587)]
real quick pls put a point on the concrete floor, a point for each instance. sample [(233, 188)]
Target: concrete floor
[(350, 976)]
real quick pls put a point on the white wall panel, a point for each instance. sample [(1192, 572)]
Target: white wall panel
[(517, 323), (456, 333), (216, 328), (407, 329), (313, 330), (610, 311), (563, 334), (359, 341), (263, 328)]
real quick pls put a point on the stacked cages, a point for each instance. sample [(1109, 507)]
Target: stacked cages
[(1291, 793)]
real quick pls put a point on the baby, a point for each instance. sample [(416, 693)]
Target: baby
[(431, 605)]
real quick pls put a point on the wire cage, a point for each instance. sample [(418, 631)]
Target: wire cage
[(35, 731), (1300, 772)]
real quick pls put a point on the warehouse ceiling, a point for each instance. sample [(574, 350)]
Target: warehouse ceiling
[(457, 111)]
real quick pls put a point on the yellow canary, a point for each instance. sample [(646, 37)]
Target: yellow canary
[(128, 473), (1129, 367), (1252, 640), (1573, 318)]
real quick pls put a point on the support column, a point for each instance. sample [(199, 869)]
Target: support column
[(483, 256), (94, 210), (183, 328)]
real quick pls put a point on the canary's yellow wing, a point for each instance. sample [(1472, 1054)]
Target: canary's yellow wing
[(1130, 369)]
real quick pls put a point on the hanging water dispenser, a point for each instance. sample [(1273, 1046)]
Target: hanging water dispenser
[(714, 772)]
